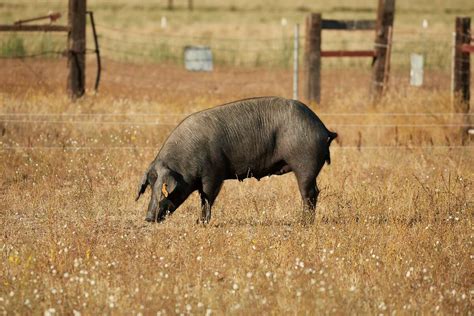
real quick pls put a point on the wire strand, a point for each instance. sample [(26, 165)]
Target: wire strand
[(186, 114), (168, 124), (408, 147), (227, 39), (60, 53)]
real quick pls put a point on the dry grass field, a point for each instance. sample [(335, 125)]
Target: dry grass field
[(393, 232)]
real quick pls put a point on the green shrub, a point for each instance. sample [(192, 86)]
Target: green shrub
[(12, 46)]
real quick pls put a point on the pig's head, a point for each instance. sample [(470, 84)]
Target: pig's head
[(166, 195)]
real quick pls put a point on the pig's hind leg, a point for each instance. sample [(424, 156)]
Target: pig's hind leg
[(309, 194), (308, 187)]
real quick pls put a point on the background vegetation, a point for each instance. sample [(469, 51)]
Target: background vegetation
[(247, 33)]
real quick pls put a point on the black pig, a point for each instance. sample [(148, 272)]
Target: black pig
[(255, 137)]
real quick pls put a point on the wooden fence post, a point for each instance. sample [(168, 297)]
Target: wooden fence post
[(462, 75), (190, 5), (170, 5), (313, 58), (77, 48), (385, 16)]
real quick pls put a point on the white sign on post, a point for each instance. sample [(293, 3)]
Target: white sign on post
[(416, 71), (198, 58)]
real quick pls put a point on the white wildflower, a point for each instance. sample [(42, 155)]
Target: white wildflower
[(49, 312)]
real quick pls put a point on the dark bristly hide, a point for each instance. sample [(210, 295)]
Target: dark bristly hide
[(255, 137)]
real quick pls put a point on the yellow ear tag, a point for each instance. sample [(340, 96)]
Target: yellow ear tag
[(164, 190)]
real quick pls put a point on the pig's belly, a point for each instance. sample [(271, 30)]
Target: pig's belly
[(278, 168)]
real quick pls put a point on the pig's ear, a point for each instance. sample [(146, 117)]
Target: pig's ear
[(142, 186), (169, 185), (148, 178)]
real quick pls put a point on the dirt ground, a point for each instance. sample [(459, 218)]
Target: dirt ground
[(172, 83)]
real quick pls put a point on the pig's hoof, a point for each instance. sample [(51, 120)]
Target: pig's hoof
[(150, 219), (202, 222)]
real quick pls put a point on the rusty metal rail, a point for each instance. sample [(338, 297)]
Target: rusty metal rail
[(21, 26), (348, 53)]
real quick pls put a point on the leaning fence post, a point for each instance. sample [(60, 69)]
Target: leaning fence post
[(97, 51), (461, 72), (296, 54), (313, 57), (77, 48), (385, 16)]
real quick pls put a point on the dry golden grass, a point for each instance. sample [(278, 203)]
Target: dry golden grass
[(393, 232), (392, 235)]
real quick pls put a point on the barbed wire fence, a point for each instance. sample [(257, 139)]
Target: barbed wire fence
[(241, 55), (236, 55), (138, 121)]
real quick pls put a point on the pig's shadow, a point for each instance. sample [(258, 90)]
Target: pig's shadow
[(254, 223)]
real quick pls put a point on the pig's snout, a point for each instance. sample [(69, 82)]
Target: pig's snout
[(166, 207)]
